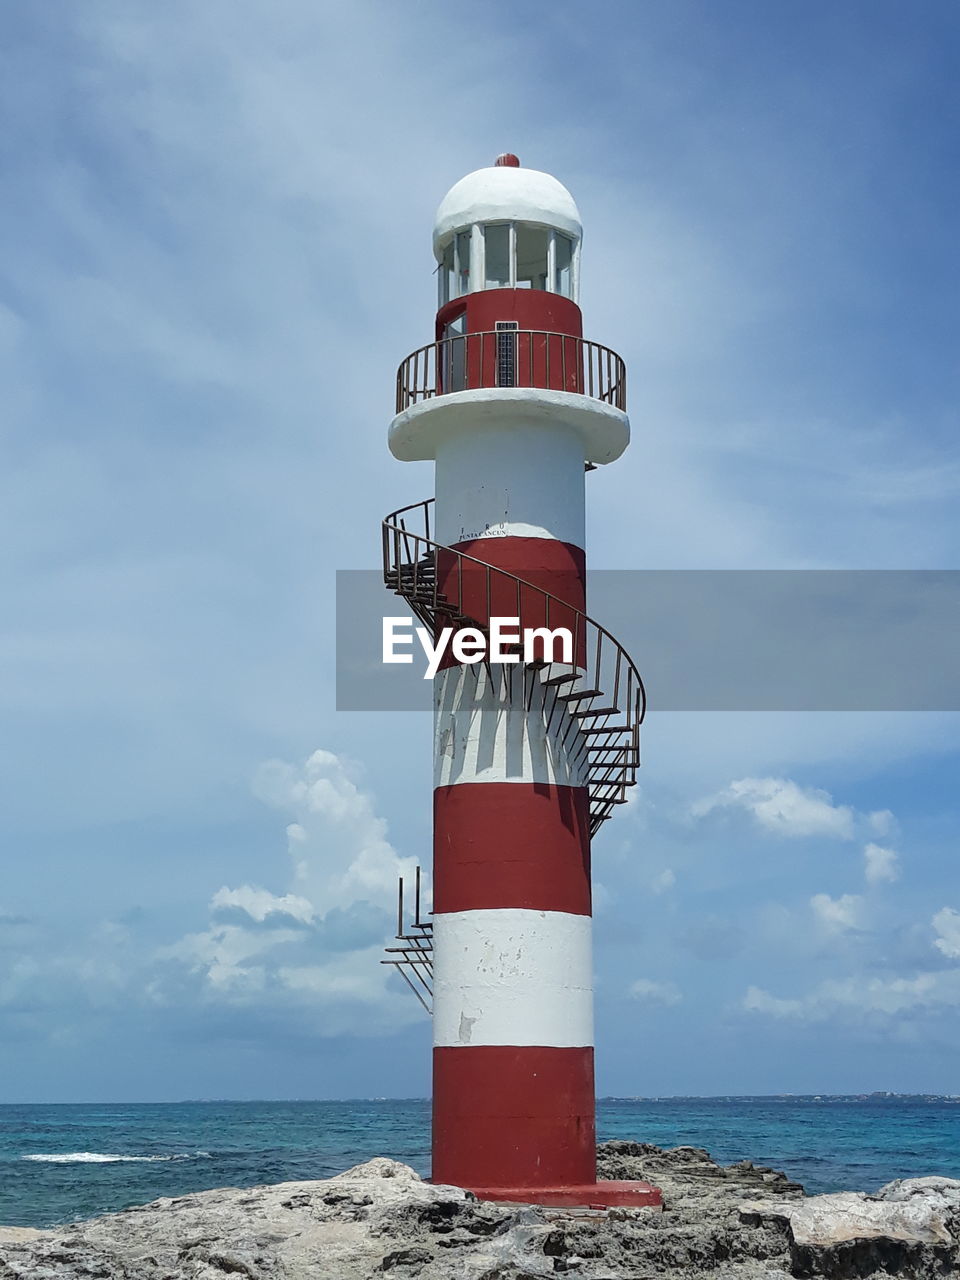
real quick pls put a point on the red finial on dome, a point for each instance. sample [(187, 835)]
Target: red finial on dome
[(508, 160)]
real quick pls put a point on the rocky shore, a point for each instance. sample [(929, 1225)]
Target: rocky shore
[(736, 1222)]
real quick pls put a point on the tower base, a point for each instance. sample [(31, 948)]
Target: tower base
[(586, 1195)]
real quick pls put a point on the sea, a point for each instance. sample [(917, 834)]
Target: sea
[(61, 1163)]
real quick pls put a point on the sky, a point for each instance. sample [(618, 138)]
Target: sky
[(215, 233)]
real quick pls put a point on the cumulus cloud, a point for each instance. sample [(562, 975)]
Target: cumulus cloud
[(300, 954), (856, 996), (258, 904), (782, 807), (316, 949), (881, 822), (227, 957), (867, 995), (650, 992), (757, 1000), (838, 914), (880, 864), (337, 842), (946, 923)]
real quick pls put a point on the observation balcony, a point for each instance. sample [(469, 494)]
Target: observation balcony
[(510, 357)]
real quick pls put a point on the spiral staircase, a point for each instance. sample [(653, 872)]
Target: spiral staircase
[(597, 699)]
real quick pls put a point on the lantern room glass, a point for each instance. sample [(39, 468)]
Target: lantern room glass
[(533, 244), (447, 277), (563, 265), (507, 255), (496, 240), (463, 242)]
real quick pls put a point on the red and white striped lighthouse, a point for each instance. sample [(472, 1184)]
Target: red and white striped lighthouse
[(514, 406)]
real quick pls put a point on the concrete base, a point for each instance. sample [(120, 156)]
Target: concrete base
[(588, 1195)]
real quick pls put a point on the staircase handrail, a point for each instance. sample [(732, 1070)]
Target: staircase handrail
[(616, 773)]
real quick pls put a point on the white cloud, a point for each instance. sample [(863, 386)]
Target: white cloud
[(849, 997), (352, 976), (337, 841), (664, 881), (757, 1000), (947, 925), (222, 955), (879, 864), (311, 949), (859, 995), (259, 904), (781, 806), (881, 822), (651, 992), (838, 914)]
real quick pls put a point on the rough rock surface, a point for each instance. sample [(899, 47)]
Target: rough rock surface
[(741, 1222), (910, 1227), (685, 1172)]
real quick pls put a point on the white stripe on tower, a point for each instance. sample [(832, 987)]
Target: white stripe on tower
[(514, 478), (513, 977)]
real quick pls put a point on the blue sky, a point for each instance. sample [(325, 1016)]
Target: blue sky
[(216, 249)]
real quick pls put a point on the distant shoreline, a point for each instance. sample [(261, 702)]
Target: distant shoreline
[(875, 1096)]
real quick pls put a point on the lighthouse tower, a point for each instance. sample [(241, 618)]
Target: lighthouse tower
[(531, 755)]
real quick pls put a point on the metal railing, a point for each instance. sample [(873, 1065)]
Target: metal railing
[(413, 960), (601, 690), (516, 358)]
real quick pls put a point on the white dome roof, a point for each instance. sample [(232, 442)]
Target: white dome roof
[(504, 193)]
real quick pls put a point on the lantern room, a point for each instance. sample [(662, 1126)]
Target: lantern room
[(502, 229), (509, 332)]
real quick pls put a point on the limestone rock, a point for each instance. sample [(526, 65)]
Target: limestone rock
[(910, 1227), (680, 1170), (16, 1235), (380, 1219)]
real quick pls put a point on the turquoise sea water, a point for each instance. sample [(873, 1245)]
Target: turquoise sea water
[(60, 1163)]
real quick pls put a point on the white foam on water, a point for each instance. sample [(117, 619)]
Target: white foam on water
[(100, 1157)]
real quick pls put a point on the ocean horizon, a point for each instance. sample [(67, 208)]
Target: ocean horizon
[(61, 1162)]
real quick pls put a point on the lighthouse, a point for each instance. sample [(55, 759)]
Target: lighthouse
[(534, 752)]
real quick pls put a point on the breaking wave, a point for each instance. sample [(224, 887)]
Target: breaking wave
[(101, 1157)]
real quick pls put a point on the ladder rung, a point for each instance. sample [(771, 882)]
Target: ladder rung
[(595, 711), (578, 693)]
